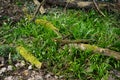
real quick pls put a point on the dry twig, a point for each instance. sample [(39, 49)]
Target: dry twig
[(65, 7), (37, 10), (73, 41), (98, 9)]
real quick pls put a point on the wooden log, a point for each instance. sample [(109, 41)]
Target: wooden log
[(85, 4)]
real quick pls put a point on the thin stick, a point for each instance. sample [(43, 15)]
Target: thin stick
[(65, 7), (37, 10), (98, 9), (73, 41)]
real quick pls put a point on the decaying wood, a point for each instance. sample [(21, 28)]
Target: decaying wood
[(95, 49), (85, 4)]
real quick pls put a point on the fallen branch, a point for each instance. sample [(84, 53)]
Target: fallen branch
[(115, 7), (72, 41), (80, 44), (75, 3), (95, 49)]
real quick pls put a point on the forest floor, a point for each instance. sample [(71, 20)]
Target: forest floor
[(21, 70), (59, 61)]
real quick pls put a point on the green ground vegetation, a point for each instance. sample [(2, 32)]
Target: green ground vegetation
[(70, 62)]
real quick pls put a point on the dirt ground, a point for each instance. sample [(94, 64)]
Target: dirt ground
[(9, 12), (21, 70)]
